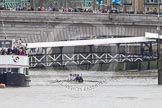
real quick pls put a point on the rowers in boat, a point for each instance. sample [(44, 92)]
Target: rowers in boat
[(75, 78)]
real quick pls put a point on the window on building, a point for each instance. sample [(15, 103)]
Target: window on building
[(128, 1), (153, 1)]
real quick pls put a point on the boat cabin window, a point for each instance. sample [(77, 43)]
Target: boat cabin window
[(16, 70), (3, 70), (26, 71), (5, 43)]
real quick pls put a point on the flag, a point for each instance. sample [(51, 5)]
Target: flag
[(115, 2)]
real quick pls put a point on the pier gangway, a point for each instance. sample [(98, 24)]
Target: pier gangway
[(83, 52)]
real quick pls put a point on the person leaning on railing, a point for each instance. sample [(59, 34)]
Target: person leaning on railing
[(3, 51), (21, 52), (15, 51), (9, 51)]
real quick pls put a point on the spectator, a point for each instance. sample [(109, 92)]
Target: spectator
[(21, 52), (3, 52), (9, 51), (15, 51), (19, 41), (49, 9)]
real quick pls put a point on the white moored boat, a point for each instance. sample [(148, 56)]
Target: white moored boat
[(14, 68)]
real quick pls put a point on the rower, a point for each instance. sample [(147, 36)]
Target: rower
[(70, 77)]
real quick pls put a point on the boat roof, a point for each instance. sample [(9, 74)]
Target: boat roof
[(153, 35), (126, 40), (7, 39)]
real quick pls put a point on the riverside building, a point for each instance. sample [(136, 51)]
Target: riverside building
[(136, 6), (130, 6), (7, 4)]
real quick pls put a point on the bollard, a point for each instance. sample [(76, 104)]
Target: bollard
[(160, 76)]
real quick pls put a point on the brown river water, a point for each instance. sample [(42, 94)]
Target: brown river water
[(101, 90)]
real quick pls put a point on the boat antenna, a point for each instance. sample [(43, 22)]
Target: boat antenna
[(3, 25)]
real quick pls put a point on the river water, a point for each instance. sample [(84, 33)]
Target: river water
[(101, 90)]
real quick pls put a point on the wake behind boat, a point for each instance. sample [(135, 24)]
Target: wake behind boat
[(14, 64)]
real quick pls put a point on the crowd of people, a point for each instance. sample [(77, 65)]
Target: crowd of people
[(58, 9), (14, 51), (75, 77), (18, 49)]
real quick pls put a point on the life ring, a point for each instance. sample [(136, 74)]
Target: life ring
[(16, 59), (2, 85)]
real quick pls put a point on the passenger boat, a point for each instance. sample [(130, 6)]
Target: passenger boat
[(14, 69)]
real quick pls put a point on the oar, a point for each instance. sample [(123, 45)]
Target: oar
[(56, 81), (91, 81)]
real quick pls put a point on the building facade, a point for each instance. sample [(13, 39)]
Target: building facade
[(64, 3), (153, 5), (135, 6), (138, 6), (14, 3), (128, 5)]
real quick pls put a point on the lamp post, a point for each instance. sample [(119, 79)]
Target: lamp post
[(33, 4), (94, 5), (123, 5), (66, 4), (158, 49), (4, 4), (21, 4)]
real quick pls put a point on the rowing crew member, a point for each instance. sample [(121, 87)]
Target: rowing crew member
[(75, 77)]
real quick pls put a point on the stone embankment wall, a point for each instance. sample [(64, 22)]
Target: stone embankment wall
[(54, 26)]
